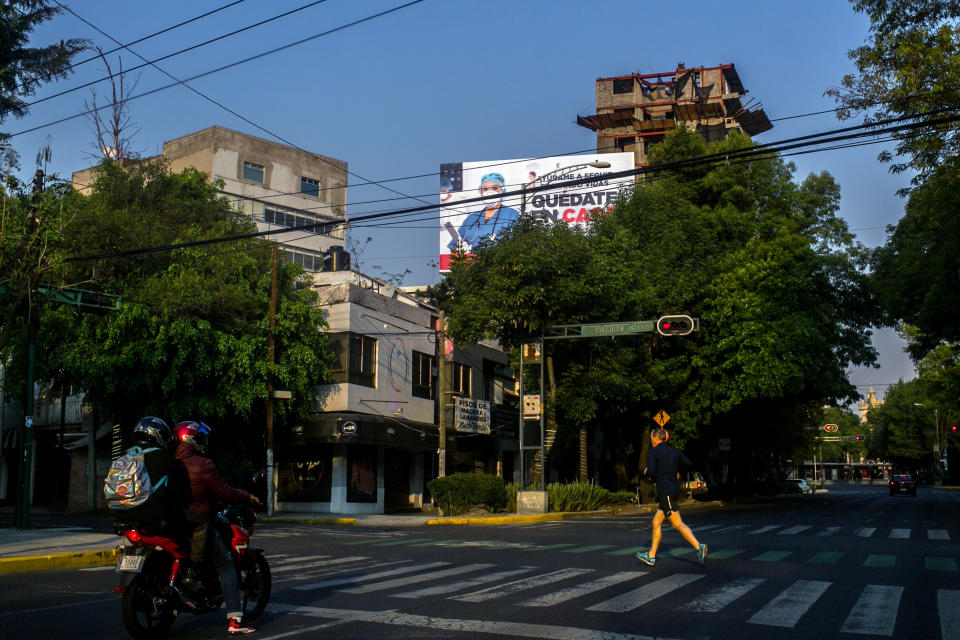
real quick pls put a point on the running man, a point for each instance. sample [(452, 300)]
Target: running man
[(663, 462)]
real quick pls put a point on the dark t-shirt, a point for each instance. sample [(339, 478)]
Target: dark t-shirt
[(663, 463)]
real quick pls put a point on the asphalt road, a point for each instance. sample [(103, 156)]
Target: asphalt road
[(854, 563)]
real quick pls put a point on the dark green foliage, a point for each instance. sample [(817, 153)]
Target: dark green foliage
[(577, 496), (460, 492)]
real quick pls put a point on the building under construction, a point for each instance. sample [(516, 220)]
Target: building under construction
[(636, 111)]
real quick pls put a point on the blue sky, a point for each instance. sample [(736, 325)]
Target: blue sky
[(451, 80)]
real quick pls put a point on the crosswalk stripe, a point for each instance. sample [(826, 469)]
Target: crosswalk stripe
[(519, 585), (450, 587), (948, 607), (769, 527), (864, 532), (875, 612), (593, 547), (794, 530), (647, 593), (549, 547), (825, 557), (319, 563), (416, 579), (627, 552), (731, 529), (276, 561), (550, 599), (828, 531), (880, 560), (705, 527), (789, 606), (724, 554), (334, 582), (771, 556), (722, 596), (937, 534), (899, 534), (391, 543), (939, 564)]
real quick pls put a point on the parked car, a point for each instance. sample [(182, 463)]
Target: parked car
[(799, 485), (694, 483), (902, 483)]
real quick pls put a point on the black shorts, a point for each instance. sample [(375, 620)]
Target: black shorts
[(668, 503)]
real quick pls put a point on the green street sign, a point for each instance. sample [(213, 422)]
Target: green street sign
[(617, 328)]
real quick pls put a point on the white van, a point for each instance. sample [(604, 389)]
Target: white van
[(694, 483)]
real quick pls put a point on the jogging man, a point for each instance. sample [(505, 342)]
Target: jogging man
[(663, 463)]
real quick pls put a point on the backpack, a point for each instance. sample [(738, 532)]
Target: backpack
[(128, 484)]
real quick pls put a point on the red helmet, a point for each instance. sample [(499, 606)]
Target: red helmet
[(195, 433)]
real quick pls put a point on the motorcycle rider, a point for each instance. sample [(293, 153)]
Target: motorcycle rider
[(206, 484), (164, 510)]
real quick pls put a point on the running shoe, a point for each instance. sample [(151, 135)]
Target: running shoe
[(702, 555), (645, 559)]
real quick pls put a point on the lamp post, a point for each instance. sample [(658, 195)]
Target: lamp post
[(596, 164), (936, 443)]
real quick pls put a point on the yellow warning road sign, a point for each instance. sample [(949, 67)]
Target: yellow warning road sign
[(661, 418)]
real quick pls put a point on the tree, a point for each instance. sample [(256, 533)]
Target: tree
[(907, 67), (901, 431), (764, 262)]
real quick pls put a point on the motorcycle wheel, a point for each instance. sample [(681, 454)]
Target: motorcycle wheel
[(147, 615), (256, 584)]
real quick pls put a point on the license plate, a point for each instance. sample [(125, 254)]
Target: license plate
[(131, 563)]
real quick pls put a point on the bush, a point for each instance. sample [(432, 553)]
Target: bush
[(459, 492), (577, 496), (619, 498)]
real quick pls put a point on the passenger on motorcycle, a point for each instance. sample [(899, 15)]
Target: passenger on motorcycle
[(206, 485), (164, 511)]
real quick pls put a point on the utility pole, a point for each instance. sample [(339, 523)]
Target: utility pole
[(443, 384), (271, 493)]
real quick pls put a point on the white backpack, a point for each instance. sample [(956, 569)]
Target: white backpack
[(128, 483)]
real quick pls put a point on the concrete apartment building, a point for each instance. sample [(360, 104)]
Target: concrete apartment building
[(277, 185), (637, 110)]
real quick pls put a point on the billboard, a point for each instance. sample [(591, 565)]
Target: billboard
[(488, 211)]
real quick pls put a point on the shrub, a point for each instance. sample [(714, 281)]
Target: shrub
[(617, 498), (459, 492), (577, 496)]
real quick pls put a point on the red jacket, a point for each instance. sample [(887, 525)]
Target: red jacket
[(206, 484)]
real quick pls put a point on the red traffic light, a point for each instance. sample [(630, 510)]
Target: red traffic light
[(858, 438), (675, 325), (953, 428)]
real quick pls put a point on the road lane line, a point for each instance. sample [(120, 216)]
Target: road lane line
[(948, 606), (864, 532), (880, 560), (899, 534), (770, 556), (456, 625), (731, 529), (875, 612), (825, 557), (761, 530), (722, 596), (789, 606), (937, 534), (550, 599), (319, 563), (794, 530), (647, 593), (939, 564), (416, 579), (390, 543), (828, 531), (510, 588), (365, 577), (462, 584)]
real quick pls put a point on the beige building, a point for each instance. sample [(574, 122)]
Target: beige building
[(637, 110), (871, 401), (277, 185)]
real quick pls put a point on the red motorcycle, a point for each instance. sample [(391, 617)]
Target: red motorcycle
[(151, 572)]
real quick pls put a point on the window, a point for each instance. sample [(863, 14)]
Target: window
[(252, 171), (623, 85), (355, 358), (422, 375), (307, 478), (461, 378), (310, 186), (361, 473)]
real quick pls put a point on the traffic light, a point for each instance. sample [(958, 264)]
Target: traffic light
[(857, 438), (675, 325)]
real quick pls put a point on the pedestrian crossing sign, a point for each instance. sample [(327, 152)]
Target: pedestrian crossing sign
[(661, 418)]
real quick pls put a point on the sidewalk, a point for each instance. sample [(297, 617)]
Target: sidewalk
[(74, 541)]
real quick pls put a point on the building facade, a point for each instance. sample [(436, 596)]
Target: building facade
[(278, 186), (637, 110)]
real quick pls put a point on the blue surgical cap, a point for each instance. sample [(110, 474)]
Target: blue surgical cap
[(493, 177)]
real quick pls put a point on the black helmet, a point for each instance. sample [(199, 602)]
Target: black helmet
[(152, 432)]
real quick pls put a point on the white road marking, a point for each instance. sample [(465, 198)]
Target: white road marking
[(318, 563), (731, 529), (875, 612), (787, 608), (339, 570), (367, 576), (900, 534), (722, 596), (416, 579), (550, 599), (937, 534), (792, 531), (828, 531), (865, 532), (519, 585), (769, 527), (471, 627), (462, 584), (641, 596), (948, 606), (111, 567), (21, 612)]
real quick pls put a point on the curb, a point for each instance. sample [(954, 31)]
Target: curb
[(289, 520), (77, 560)]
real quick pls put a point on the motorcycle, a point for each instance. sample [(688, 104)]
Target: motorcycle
[(151, 575)]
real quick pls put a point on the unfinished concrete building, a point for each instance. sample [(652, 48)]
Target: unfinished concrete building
[(636, 111)]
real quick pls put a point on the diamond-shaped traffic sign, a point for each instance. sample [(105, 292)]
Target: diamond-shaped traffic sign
[(661, 418)]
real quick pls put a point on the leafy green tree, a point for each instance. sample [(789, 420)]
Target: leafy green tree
[(849, 425), (908, 66), (901, 431)]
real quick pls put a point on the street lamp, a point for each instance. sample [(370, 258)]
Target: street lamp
[(596, 164)]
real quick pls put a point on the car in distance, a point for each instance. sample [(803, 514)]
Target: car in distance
[(695, 483), (902, 483), (799, 485)]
